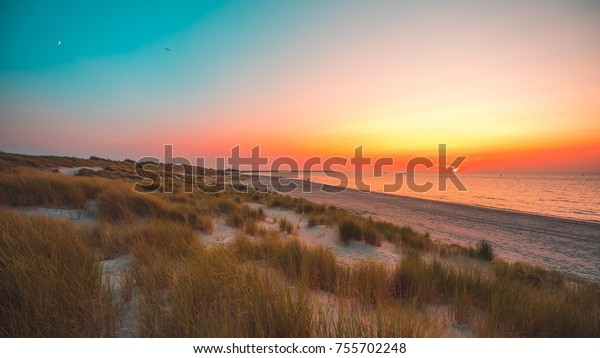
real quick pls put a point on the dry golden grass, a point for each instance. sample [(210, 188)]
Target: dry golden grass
[(122, 204), (502, 305), (368, 280), (286, 226), (353, 320), (50, 282), (249, 303), (224, 292), (28, 187)]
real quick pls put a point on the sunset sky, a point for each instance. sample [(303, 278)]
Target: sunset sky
[(513, 85)]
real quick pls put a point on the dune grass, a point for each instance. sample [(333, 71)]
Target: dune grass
[(367, 280), (27, 187), (314, 266), (483, 250), (50, 282), (250, 303), (372, 236), (353, 227), (212, 293), (122, 204), (108, 240), (519, 310), (111, 240), (243, 217), (266, 285), (350, 230), (52, 162), (201, 222), (255, 301), (493, 305), (535, 276), (23, 187), (286, 225), (503, 306), (383, 321)]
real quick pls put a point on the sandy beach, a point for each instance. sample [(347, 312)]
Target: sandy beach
[(566, 245)]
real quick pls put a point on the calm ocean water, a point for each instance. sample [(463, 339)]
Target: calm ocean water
[(574, 196)]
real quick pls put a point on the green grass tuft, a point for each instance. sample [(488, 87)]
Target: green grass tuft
[(483, 251), (286, 225), (350, 230)]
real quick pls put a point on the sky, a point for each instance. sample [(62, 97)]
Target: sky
[(512, 85)]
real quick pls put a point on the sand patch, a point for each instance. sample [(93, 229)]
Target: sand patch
[(125, 298), (77, 217), (113, 271), (75, 170), (222, 233)]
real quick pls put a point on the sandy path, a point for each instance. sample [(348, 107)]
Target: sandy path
[(566, 245)]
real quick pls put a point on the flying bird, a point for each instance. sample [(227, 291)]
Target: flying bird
[(59, 43), (168, 49)]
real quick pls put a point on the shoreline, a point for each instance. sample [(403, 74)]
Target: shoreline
[(557, 217), (484, 207), (567, 245)]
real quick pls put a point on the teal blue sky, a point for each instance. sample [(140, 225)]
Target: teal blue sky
[(129, 37), (89, 29)]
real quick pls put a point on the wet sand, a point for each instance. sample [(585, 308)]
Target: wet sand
[(566, 245)]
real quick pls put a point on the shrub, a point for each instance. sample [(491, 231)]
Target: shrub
[(245, 249), (202, 222), (350, 229), (254, 214), (242, 216), (226, 205), (483, 251), (534, 276), (414, 239), (416, 280), (235, 218), (251, 228), (286, 225), (372, 236), (320, 268)]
